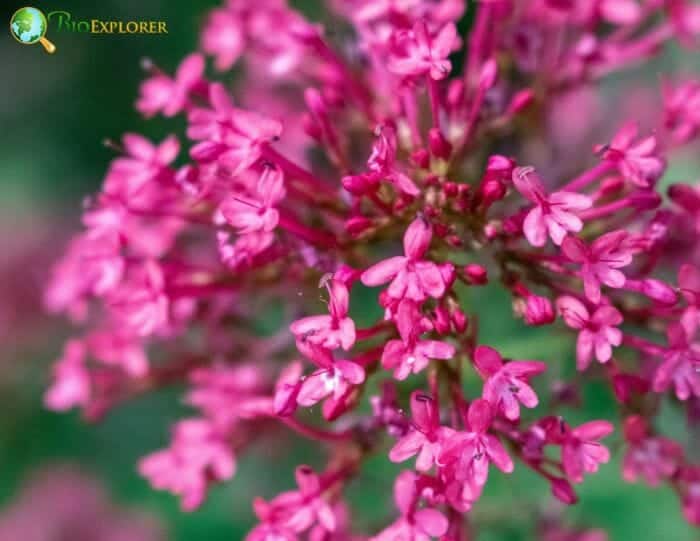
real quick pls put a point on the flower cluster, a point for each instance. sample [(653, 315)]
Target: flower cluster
[(335, 149)]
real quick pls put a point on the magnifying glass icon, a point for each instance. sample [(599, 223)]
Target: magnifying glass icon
[(28, 26)]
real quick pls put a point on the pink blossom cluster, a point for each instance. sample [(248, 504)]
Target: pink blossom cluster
[(394, 157)]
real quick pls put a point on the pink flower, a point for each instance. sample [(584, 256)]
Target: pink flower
[(417, 53), (597, 332), (553, 214), (141, 302), (334, 380), (637, 162), (382, 166), (411, 357), (210, 123), (120, 349), (426, 437), (71, 380), (332, 331), (287, 389), (234, 138), (582, 453), (469, 454), (680, 366), (685, 18), (144, 162), (93, 265), (600, 261), (622, 12), (506, 384), (682, 110), (653, 458), (224, 394), (223, 37), (296, 511), (244, 249), (267, 532), (414, 524), (198, 455), (257, 213), (164, 94), (411, 276)]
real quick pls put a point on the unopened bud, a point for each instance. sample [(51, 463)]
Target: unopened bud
[(685, 196), (357, 225), (492, 191), (489, 74), (421, 158), (441, 320), (520, 101), (459, 320), (659, 291), (563, 491), (538, 310), (476, 274), (635, 428), (439, 146), (645, 200), (455, 93)]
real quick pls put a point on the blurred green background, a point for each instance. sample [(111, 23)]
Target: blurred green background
[(56, 110)]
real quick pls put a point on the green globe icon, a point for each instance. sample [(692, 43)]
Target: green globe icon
[(28, 25)]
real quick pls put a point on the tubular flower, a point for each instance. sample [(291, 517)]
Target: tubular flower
[(597, 333), (506, 383), (554, 214), (411, 276)]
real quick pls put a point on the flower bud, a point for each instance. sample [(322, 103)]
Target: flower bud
[(459, 320), (659, 291), (421, 158), (538, 310), (563, 491), (654, 289), (441, 320), (451, 189), (476, 274), (501, 165), (492, 190), (439, 146), (314, 101), (455, 93), (685, 196), (359, 184), (357, 225), (489, 74), (521, 100), (417, 238), (311, 127), (635, 428), (611, 186), (479, 415), (627, 385), (447, 271)]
